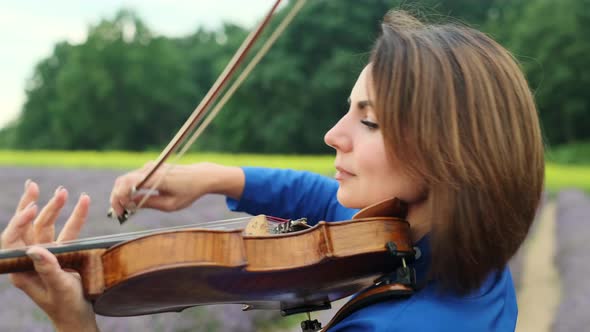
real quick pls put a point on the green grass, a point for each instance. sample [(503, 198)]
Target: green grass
[(558, 176), (129, 160)]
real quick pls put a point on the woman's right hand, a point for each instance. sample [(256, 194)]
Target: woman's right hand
[(59, 293), (180, 187)]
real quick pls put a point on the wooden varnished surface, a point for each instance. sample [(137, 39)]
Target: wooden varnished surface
[(188, 268)]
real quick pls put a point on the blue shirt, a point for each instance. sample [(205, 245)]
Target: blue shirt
[(293, 194)]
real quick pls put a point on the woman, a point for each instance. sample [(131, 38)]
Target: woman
[(441, 118)]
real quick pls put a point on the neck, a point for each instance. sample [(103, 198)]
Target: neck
[(420, 221)]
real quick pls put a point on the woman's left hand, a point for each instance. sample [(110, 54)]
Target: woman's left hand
[(59, 293)]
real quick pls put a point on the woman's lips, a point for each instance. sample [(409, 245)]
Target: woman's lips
[(342, 174)]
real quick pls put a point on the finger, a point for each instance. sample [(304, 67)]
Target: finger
[(44, 225), (48, 269), (28, 282), (30, 194), (148, 166), (77, 219), (121, 194), (13, 235), (162, 203)]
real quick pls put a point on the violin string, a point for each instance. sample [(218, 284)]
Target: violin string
[(148, 232), (134, 235), (205, 225), (223, 224), (213, 225), (235, 85)]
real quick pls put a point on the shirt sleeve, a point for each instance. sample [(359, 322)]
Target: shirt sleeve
[(290, 194)]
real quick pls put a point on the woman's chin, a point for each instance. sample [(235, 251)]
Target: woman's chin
[(348, 199)]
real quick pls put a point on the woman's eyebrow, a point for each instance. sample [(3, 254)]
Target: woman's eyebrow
[(362, 103)]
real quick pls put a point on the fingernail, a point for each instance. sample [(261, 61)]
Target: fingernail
[(58, 189), (27, 183), (83, 194), (35, 257), (110, 213)]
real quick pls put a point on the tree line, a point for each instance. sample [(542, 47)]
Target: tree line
[(126, 88)]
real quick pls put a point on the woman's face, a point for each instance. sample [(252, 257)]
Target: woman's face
[(365, 174)]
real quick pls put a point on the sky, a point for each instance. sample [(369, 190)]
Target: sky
[(30, 28)]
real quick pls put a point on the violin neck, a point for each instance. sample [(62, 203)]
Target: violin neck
[(59, 249), (83, 258)]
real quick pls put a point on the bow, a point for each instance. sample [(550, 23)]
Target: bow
[(196, 123)]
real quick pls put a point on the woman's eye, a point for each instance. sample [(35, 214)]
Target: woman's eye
[(370, 124)]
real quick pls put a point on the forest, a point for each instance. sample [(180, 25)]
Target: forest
[(127, 88)]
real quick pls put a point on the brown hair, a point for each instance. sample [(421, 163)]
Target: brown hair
[(455, 108)]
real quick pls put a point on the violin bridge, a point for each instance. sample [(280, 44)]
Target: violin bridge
[(257, 226)]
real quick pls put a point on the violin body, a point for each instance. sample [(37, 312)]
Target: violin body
[(199, 267), (293, 272)]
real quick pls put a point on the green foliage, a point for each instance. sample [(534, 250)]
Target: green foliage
[(126, 88), (122, 88), (8, 136), (573, 153), (300, 89), (551, 40)]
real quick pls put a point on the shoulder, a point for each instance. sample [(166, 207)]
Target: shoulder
[(492, 308), (257, 176)]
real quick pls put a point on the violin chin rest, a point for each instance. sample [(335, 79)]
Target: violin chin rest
[(393, 207)]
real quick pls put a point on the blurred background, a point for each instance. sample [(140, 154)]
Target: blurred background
[(91, 89)]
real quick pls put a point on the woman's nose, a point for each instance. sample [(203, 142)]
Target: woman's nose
[(338, 137)]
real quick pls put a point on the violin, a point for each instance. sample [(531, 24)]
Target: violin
[(292, 266)]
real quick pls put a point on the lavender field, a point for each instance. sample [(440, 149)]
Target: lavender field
[(18, 313), (572, 261), (572, 241)]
